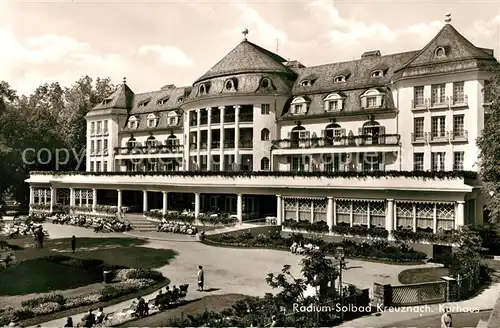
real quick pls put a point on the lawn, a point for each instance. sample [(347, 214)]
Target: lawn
[(420, 275), (38, 272)]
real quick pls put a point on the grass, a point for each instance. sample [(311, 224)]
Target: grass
[(422, 275), (216, 303), (35, 274)]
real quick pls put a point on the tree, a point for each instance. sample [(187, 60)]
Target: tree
[(467, 256), (489, 146)]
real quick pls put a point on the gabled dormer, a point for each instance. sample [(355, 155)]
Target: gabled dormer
[(133, 122), (172, 118), (334, 102), (372, 98), (152, 120), (299, 106)]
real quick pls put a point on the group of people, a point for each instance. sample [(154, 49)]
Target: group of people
[(88, 221), (26, 228), (170, 296), (300, 248), (175, 227)]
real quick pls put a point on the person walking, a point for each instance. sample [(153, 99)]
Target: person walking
[(69, 322), (73, 243), (446, 319), (201, 278)]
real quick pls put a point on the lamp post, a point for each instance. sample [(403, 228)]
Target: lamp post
[(340, 256)]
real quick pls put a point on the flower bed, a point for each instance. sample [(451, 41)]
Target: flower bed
[(218, 220), (170, 217), (99, 224), (131, 280), (378, 250)]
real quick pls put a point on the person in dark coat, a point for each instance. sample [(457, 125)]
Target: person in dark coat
[(89, 320), (73, 243), (141, 306), (69, 322)]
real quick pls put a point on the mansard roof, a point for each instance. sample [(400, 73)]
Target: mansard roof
[(122, 98), (248, 57)]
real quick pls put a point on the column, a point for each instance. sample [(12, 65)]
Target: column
[(351, 215), (187, 142), (120, 201), (237, 135), (239, 208), (414, 217), (53, 198), (196, 205), (94, 199), (329, 213), (221, 160), (312, 211), (368, 215), (45, 192), (334, 212), (279, 210), (198, 138), (32, 196), (389, 217), (71, 197), (435, 220), (165, 202), (144, 201), (209, 139), (81, 196), (460, 215)]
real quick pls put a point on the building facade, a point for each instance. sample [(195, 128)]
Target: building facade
[(307, 134)]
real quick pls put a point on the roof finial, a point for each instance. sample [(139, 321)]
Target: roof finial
[(245, 32), (124, 80), (448, 18)]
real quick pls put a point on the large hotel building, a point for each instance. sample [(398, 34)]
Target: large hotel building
[(382, 140)]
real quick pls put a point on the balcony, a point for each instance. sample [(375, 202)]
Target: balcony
[(193, 122), (229, 118), (439, 137), (245, 144), (229, 144), (105, 133), (419, 138), (438, 102), (215, 119), (418, 104), (215, 144), (361, 140), (245, 117), (459, 101), (459, 136), (162, 149), (203, 120)]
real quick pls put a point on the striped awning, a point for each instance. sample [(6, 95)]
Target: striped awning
[(378, 200), (404, 201), (303, 198)]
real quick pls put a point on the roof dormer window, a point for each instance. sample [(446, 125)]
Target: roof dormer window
[(162, 101), (266, 83), (372, 98), (229, 85), (152, 121), (339, 79), (378, 73), (143, 104), (106, 101), (180, 99), (305, 83), (172, 118), (299, 106), (203, 90), (133, 123), (334, 102), (440, 52)]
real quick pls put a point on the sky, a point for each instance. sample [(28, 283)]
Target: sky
[(154, 43)]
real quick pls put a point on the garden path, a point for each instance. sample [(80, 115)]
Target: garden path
[(231, 270)]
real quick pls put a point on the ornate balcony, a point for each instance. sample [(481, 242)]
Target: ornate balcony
[(162, 149), (361, 140), (459, 136), (439, 136), (459, 101)]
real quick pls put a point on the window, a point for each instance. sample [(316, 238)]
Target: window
[(458, 126), (203, 89), (418, 127), (440, 52), (418, 161), (143, 104), (180, 99), (229, 85), (105, 146), (105, 166), (162, 101), (264, 135), (377, 73), (305, 83), (485, 91), (438, 96), (131, 143), (264, 164), (333, 102), (266, 83), (99, 127), (339, 79), (152, 121), (299, 106), (458, 161), (418, 96), (99, 146), (98, 166), (438, 128), (437, 161), (92, 166), (92, 146), (151, 142), (105, 125), (173, 119), (298, 109), (265, 109), (334, 105), (458, 93), (371, 102), (133, 123), (92, 128)]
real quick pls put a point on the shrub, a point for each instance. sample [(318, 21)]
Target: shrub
[(50, 298), (46, 308), (81, 301), (145, 274)]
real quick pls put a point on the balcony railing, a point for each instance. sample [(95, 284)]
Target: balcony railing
[(246, 144), (440, 136), (459, 136), (229, 118), (362, 140), (459, 101), (215, 119), (419, 103), (193, 122), (419, 137), (245, 117), (228, 144), (162, 149)]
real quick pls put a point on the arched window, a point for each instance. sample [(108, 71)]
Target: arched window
[(172, 140), (151, 141), (230, 85), (333, 102), (265, 83), (298, 134), (440, 52), (203, 89), (339, 79), (372, 98), (172, 118), (265, 134), (133, 122), (333, 131), (299, 105), (264, 164), (131, 143), (371, 132), (378, 73), (152, 120)]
